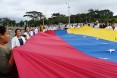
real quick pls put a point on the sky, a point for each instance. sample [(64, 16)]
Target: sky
[(15, 9)]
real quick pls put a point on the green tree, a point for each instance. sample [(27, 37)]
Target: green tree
[(7, 22)]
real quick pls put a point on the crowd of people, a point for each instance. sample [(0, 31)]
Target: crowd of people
[(96, 25), (7, 63), (106, 25), (20, 39)]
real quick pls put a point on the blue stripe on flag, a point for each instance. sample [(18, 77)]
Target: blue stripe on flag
[(90, 45)]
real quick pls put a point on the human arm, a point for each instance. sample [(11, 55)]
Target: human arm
[(13, 43), (4, 63)]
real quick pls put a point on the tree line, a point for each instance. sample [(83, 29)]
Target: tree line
[(37, 18)]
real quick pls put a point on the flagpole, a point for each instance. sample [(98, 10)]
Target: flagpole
[(68, 13)]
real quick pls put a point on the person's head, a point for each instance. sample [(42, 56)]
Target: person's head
[(113, 25), (84, 24), (27, 29), (88, 24), (101, 25), (106, 23), (96, 22), (18, 32), (4, 36), (33, 29)]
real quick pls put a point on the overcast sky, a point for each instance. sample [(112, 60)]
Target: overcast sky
[(15, 9)]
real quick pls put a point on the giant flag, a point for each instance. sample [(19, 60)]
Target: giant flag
[(57, 54)]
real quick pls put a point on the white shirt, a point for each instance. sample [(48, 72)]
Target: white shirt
[(36, 30), (97, 26), (15, 42), (115, 28), (109, 27), (49, 28), (27, 35)]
